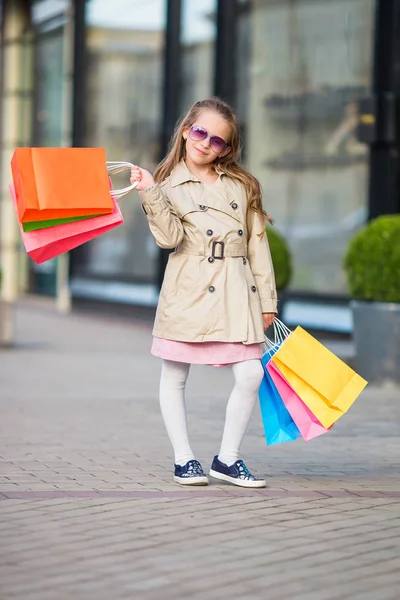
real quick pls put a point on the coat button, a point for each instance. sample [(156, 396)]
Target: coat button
[(202, 207), (240, 232), (209, 232), (253, 288), (244, 261), (210, 259), (211, 288), (234, 205)]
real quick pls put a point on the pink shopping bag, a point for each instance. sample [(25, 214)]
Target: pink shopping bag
[(306, 422), (44, 244)]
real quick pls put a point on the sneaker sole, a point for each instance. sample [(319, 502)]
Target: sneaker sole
[(191, 480), (239, 482)]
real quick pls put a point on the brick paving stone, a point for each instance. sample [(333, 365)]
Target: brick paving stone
[(88, 508)]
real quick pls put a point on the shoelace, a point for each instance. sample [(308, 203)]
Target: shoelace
[(244, 470), (194, 468)]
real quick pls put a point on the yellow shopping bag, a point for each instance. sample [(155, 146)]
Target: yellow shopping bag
[(324, 382)]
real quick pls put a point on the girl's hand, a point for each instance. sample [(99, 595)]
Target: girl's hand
[(268, 319), (144, 178)]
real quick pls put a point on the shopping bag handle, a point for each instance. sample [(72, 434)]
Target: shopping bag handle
[(114, 167), (281, 332)]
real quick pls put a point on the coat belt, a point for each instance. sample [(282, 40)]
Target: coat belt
[(217, 250)]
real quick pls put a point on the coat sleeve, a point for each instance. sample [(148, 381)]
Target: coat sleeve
[(261, 264), (163, 220)]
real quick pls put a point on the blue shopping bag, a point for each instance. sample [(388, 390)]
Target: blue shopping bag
[(279, 426)]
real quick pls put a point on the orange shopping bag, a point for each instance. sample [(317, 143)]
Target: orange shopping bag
[(55, 183)]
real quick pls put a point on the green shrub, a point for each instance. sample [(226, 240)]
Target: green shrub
[(372, 261), (281, 258)]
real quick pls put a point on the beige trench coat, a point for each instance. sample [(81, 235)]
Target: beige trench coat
[(206, 298)]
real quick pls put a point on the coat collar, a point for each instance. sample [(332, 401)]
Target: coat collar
[(219, 196), (181, 174)]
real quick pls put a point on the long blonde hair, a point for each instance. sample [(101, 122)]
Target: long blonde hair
[(225, 164)]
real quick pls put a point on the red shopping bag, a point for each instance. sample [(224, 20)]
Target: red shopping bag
[(44, 244)]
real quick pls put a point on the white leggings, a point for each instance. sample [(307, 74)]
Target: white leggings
[(248, 375)]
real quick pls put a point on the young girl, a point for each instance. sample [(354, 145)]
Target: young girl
[(218, 294)]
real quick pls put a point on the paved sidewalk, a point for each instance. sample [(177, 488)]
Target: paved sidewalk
[(88, 508)]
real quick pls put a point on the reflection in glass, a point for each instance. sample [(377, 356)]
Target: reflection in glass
[(49, 88), (125, 44), (303, 66), (198, 46), (46, 13), (49, 19)]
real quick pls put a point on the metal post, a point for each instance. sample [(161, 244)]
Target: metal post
[(225, 59), (79, 75), (78, 103), (384, 184), (170, 96)]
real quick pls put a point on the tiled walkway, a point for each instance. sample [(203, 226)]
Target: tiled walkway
[(88, 508)]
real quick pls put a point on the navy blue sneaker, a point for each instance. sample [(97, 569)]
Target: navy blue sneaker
[(190, 474), (238, 474)]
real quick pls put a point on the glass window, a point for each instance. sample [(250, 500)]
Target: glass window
[(51, 98), (45, 13), (49, 88), (303, 67), (124, 100), (49, 19), (198, 45)]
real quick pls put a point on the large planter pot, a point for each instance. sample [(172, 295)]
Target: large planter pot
[(377, 340)]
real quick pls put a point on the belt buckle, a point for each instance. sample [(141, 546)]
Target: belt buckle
[(222, 253)]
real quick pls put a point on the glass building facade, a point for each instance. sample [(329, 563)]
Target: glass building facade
[(119, 74)]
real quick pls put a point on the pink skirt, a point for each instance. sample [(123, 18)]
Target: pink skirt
[(215, 354)]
